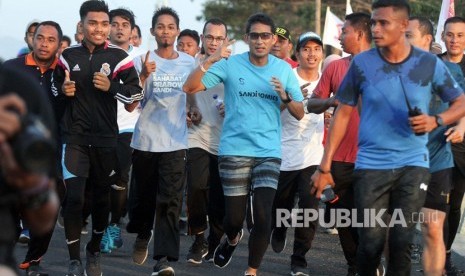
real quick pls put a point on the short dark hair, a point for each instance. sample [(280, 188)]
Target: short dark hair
[(93, 6), (124, 13), (259, 18), (215, 21), (426, 27), (67, 39), (360, 21), (454, 19), (138, 30), (191, 33), (163, 11), (53, 24), (395, 4), (33, 24)]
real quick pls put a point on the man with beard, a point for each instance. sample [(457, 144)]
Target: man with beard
[(160, 144)]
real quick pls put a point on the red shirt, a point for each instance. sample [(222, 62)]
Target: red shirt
[(293, 63), (329, 83)]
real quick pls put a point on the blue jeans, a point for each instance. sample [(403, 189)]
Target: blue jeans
[(402, 189)]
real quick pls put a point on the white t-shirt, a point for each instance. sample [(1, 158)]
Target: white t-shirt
[(207, 134), (162, 123), (127, 120), (301, 141)]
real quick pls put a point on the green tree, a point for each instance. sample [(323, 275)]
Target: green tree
[(299, 15)]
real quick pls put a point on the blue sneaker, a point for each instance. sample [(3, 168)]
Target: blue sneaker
[(24, 237), (114, 233), (105, 244)]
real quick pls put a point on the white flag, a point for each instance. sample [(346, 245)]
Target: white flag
[(348, 8), (332, 30), (447, 10)]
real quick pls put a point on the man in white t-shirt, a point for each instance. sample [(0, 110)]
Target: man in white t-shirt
[(160, 146), (122, 22), (302, 148), (204, 191)]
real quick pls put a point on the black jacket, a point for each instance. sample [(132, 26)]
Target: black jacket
[(90, 115)]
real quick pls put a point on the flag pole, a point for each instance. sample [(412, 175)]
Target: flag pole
[(318, 17)]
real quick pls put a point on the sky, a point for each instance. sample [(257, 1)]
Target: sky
[(14, 18)]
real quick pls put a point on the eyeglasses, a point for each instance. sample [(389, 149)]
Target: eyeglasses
[(263, 36), (210, 38)]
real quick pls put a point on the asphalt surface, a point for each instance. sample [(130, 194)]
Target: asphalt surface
[(325, 258)]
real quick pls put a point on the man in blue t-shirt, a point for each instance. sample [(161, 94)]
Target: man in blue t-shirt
[(256, 84), (420, 34), (391, 169)]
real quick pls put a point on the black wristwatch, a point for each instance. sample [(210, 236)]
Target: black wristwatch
[(439, 120), (287, 100)]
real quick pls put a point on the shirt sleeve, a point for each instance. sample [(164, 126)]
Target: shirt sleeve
[(129, 90), (349, 90), (323, 88), (292, 86), (444, 83), (215, 74)]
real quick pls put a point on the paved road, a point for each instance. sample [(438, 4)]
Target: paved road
[(325, 258)]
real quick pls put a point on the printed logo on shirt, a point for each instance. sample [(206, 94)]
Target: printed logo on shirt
[(423, 186), (76, 68), (105, 69), (256, 94), (165, 83), (241, 81)]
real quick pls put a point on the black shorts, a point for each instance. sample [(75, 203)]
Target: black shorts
[(437, 195), (97, 163)]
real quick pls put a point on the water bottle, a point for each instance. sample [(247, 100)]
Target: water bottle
[(328, 195), (218, 101)]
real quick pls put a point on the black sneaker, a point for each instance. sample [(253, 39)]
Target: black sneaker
[(381, 270), (35, 270), (93, 264), (352, 271), (162, 268), (278, 239), (198, 250), (75, 268), (209, 257), (224, 251), (141, 249), (451, 269), (299, 271)]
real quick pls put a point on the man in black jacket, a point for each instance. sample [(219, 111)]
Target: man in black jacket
[(93, 76), (22, 190), (39, 65)]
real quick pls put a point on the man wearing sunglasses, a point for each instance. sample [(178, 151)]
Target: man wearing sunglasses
[(256, 84)]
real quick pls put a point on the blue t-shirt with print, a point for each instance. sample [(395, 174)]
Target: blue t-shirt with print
[(440, 151), (252, 124), (386, 140)]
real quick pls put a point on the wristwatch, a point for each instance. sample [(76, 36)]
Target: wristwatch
[(287, 100), (439, 120)]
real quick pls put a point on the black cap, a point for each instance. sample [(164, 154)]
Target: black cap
[(308, 36), (283, 32)]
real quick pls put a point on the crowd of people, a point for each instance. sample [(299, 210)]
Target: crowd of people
[(236, 139)]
